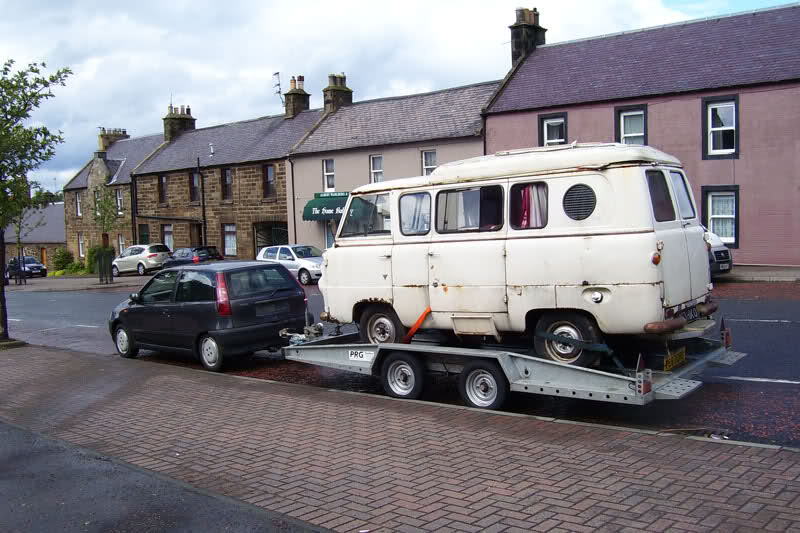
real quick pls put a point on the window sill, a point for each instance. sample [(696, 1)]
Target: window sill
[(725, 155), (194, 203), (269, 200)]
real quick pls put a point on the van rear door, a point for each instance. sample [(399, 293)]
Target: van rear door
[(695, 243), (668, 227)]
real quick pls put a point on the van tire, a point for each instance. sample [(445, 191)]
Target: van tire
[(572, 325), (379, 324), (482, 384), (403, 376)]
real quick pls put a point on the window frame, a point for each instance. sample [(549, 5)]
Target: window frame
[(706, 105), (120, 201), (78, 204), (97, 202), (479, 188), (548, 118), (162, 189), (171, 233), (325, 174), (620, 112), (224, 187), (400, 213), (372, 171), (225, 234), (268, 184), (194, 189), (706, 192), (425, 167), (81, 245)]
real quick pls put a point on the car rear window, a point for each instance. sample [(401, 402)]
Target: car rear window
[(204, 253), (156, 248), (251, 282)]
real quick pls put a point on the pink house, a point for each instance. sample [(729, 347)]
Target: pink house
[(721, 94)]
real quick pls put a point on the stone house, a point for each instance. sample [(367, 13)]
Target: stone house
[(356, 143), (116, 156), (721, 94), (222, 185), (42, 233)]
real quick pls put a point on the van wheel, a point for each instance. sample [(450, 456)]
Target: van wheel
[(572, 326), (210, 353), (403, 376), (304, 277), (379, 324), (482, 384)]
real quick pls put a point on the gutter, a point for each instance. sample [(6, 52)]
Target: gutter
[(134, 208), (294, 195)]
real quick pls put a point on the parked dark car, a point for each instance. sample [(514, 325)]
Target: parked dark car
[(30, 267), (213, 310), (194, 255)]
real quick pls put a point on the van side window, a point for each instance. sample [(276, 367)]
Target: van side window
[(477, 209), (367, 215), (682, 195), (415, 213), (659, 196), (528, 208)]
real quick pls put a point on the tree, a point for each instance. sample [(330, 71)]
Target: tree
[(23, 147), (105, 210), (42, 197)]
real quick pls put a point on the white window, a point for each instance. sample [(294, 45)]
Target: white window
[(80, 245), (119, 201), (166, 235), (121, 240), (722, 215), (229, 231), (721, 128), (97, 203), (328, 175), (78, 203), (554, 131), (428, 162), (631, 127), (375, 168)]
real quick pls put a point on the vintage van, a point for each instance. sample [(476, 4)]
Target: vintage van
[(583, 241)]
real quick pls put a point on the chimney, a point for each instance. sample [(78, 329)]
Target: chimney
[(337, 94), (178, 120), (526, 34), (297, 99), (108, 137)]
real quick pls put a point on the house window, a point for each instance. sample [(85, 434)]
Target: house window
[(162, 189), (229, 233), (166, 236), (269, 181), (80, 245), (227, 184), (120, 204), (194, 187), (328, 175), (630, 124), (144, 234), (474, 209), (121, 241), (428, 162), (78, 203), (375, 168), (552, 129), (97, 202), (721, 127), (721, 212)]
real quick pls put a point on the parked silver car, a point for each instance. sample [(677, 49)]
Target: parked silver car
[(140, 258), (302, 260), (720, 258)]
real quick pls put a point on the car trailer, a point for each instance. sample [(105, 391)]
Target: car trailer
[(488, 372)]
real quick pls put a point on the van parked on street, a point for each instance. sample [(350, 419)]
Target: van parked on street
[(581, 241)]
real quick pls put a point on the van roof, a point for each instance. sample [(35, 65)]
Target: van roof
[(529, 161)]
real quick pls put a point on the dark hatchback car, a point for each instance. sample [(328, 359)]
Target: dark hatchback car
[(213, 310), (31, 267), (193, 256)]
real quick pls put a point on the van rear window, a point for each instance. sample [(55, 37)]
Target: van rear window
[(267, 279), (663, 209)]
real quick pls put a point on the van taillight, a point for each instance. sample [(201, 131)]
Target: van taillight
[(223, 302), (656, 258)]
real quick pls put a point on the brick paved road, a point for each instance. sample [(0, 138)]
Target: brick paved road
[(351, 462)]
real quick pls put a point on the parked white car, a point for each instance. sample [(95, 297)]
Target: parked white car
[(140, 258), (720, 258), (302, 260)]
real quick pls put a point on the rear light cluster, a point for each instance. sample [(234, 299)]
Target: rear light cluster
[(151, 256), (223, 300), (195, 259), (299, 286)]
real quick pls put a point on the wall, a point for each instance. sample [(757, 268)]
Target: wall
[(35, 250), (86, 224), (767, 170), (353, 170)]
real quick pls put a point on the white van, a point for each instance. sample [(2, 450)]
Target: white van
[(581, 241)]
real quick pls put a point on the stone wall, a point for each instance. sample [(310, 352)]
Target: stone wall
[(85, 223), (35, 250)]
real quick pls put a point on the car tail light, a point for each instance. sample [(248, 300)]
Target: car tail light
[(196, 259), (299, 286), (151, 256), (223, 302)]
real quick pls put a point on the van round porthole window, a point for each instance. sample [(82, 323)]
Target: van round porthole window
[(579, 202)]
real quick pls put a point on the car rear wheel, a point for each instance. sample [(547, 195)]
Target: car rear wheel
[(379, 324), (114, 271), (304, 277), (210, 353), (140, 269), (570, 326), (124, 342)]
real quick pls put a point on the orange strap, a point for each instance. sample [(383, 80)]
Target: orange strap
[(417, 324)]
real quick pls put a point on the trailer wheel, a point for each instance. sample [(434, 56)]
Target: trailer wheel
[(379, 324), (403, 376), (572, 326), (482, 384)]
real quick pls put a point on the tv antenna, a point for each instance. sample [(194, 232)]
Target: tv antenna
[(277, 75)]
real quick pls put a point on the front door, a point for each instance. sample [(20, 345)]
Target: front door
[(195, 234)]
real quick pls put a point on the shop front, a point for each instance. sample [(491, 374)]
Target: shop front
[(326, 208)]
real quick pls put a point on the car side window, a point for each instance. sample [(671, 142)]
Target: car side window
[(286, 255), (272, 253), (196, 287), (136, 251), (159, 290), (125, 253)]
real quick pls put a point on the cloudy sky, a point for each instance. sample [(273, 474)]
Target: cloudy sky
[(130, 58)]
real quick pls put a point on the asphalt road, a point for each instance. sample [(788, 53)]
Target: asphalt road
[(754, 400)]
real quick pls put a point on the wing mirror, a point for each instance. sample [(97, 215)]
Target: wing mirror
[(134, 297)]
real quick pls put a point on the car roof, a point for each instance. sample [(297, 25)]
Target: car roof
[(225, 266)]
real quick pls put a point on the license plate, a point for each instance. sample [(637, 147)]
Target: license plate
[(690, 314), (724, 266), (675, 359)]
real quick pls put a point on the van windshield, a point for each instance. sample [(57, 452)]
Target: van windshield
[(367, 215)]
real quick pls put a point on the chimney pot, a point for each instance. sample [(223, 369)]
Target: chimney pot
[(332, 80), (292, 84), (188, 110), (300, 80)]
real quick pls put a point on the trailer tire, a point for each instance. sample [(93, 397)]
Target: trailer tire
[(571, 325), (403, 376), (379, 324), (483, 384)]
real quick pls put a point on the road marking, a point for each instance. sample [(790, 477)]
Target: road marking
[(48, 329), (763, 320), (15, 320), (760, 380), (83, 326)]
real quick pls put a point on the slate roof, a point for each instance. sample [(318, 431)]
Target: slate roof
[(121, 158), (258, 139), (748, 48), (50, 231), (445, 114)]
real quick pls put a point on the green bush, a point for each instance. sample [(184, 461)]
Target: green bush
[(61, 258), (75, 267), (59, 272), (92, 254)]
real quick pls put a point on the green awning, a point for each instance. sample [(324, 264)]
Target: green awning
[(325, 206)]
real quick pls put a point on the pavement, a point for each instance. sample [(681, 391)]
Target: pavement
[(354, 462)]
